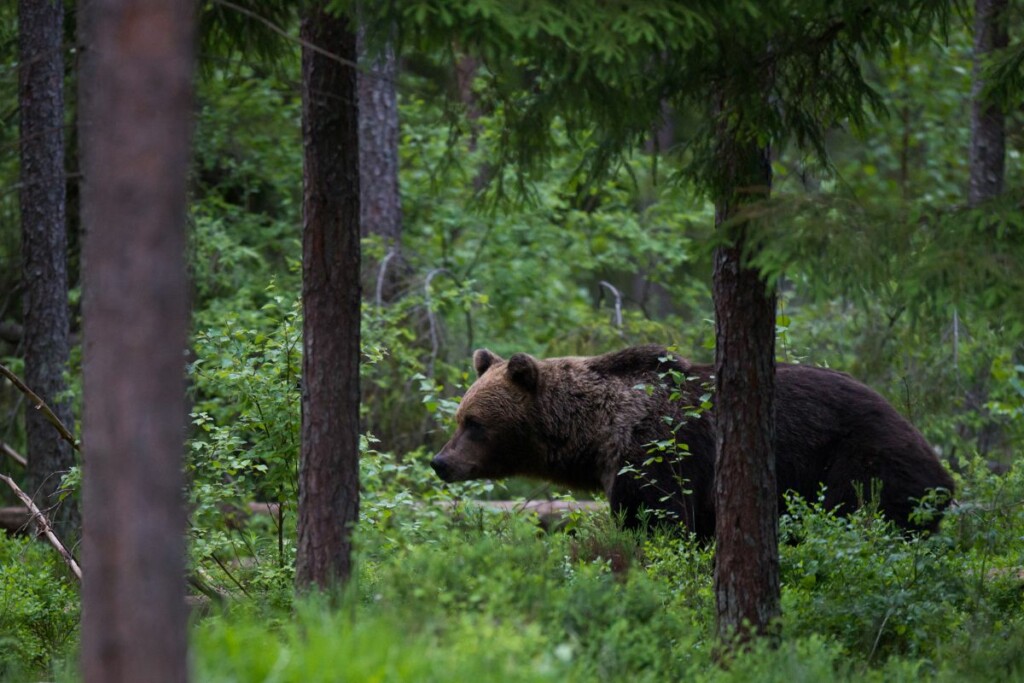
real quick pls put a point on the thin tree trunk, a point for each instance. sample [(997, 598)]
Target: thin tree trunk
[(329, 468), (746, 579), (44, 252), (380, 201), (988, 131), (381, 206), (135, 92)]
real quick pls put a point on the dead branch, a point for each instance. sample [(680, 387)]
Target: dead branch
[(13, 454), (618, 301), (43, 524), (382, 271), (40, 404)]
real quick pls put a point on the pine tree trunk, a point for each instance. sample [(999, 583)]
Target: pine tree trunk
[(135, 92), (44, 252), (988, 133), (746, 579), (329, 467), (380, 201)]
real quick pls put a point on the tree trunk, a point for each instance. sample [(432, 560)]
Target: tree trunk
[(988, 135), (746, 577), (135, 92), (380, 201), (44, 252), (329, 468)]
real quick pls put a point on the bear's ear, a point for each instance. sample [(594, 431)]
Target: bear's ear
[(523, 370), (483, 359)]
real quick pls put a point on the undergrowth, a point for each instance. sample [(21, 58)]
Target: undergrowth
[(450, 592), (39, 610), (490, 597)]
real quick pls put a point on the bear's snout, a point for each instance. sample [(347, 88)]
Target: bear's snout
[(441, 468)]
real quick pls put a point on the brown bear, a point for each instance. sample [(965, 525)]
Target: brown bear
[(638, 424)]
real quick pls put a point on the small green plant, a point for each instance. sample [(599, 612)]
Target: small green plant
[(671, 449), (38, 609)]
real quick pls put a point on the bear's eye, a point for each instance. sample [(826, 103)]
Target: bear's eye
[(473, 428)]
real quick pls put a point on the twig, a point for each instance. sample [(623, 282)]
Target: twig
[(13, 454), (44, 526), (40, 404), (878, 636), (230, 575)]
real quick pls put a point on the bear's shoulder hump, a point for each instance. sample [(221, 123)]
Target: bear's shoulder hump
[(636, 360)]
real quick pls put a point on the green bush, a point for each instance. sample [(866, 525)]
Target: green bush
[(862, 581), (39, 609)]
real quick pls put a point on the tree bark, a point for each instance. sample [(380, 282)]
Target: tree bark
[(746, 579), (135, 93), (329, 464), (44, 252), (987, 156), (380, 200)]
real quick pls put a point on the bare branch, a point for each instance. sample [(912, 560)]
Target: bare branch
[(13, 454), (40, 404), (43, 524), (381, 273), (618, 301)]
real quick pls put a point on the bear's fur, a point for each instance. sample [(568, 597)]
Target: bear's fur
[(593, 422)]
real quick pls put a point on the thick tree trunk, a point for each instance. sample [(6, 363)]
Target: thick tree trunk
[(135, 92), (44, 252), (329, 469), (988, 133), (380, 201), (746, 577)]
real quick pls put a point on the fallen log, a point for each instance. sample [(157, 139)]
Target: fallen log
[(15, 520), (550, 513)]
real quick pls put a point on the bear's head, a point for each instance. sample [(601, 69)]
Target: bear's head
[(495, 436)]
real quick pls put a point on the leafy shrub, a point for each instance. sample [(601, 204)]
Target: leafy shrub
[(863, 581), (38, 609)]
